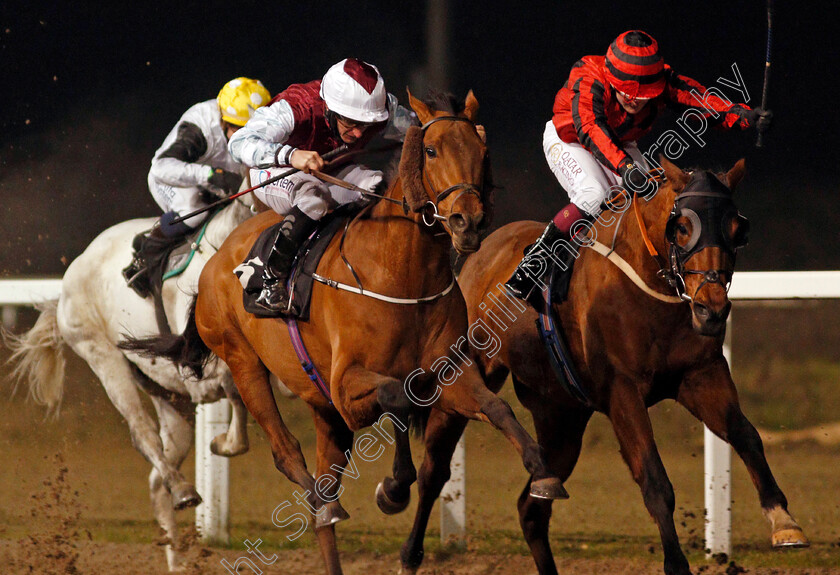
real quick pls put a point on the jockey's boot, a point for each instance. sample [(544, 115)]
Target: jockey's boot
[(149, 250), (535, 264), (136, 273), (275, 296)]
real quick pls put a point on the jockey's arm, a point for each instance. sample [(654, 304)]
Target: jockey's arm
[(400, 119), (686, 93), (261, 142), (593, 129), (178, 165)]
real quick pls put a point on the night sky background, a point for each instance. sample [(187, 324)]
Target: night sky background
[(91, 89)]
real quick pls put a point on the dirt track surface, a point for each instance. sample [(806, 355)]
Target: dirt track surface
[(96, 558)]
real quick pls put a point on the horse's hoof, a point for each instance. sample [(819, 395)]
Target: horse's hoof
[(330, 514), (218, 447), (387, 505), (548, 488), (407, 571), (791, 537), (185, 495)]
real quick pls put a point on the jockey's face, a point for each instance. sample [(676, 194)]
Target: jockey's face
[(349, 130), (631, 106), (229, 129)]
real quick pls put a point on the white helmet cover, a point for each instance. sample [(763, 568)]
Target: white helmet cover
[(355, 89)]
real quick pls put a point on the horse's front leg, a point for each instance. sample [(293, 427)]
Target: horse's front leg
[(560, 432), (632, 427), (709, 394), (366, 395), (335, 443), (469, 397), (440, 439)]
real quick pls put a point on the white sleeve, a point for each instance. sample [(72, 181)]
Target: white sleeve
[(262, 139), (399, 119)]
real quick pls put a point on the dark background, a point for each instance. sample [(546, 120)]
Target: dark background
[(91, 89)]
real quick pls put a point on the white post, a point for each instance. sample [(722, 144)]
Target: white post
[(212, 473), (718, 458), (453, 500), (9, 317)]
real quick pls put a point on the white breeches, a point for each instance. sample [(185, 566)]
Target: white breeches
[(182, 201), (584, 178), (309, 194)]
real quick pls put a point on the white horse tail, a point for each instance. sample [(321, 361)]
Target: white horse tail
[(39, 358)]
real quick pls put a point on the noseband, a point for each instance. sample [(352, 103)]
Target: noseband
[(464, 187)]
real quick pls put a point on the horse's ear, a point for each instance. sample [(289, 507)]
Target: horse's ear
[(424, 114), (736, 174), (675, 175), (471, 106)]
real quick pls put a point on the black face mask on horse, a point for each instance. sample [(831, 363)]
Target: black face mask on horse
[(713, 221)]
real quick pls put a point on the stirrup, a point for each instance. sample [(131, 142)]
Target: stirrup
[(136, 276), (283, 305)]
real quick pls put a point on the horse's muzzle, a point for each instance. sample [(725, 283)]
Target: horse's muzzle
[(707, 321)]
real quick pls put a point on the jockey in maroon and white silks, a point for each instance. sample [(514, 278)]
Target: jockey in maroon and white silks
[(605, 106), (348, 106)]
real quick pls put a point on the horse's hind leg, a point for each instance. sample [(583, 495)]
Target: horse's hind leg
[(235, 440), (441, 437), (115, 372), (631, 423), (560, 433), (710, 395), (176, 435)]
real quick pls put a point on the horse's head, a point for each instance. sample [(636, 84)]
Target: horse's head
[(445, 173), (704, 232)]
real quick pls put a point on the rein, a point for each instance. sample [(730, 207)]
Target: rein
[(674, 273), (465, 188)]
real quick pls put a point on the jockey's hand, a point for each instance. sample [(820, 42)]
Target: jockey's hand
[(634, 178), (760, 119), (482, 133), (226, 181), (306, 161)]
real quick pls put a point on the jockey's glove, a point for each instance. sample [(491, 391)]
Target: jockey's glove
[(226, 181), (634, 177), (757, 118)]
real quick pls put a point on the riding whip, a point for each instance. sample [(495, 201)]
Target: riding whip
[(339, 154), (759, 143)]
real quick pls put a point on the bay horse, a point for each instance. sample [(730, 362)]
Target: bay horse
[(633, 345), (94, 310), (372, 353)]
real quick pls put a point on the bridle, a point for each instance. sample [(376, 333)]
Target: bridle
[(431, 213), (708, 205)]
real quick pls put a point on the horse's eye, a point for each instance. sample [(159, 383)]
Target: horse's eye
[(682, 229), (430, 152)]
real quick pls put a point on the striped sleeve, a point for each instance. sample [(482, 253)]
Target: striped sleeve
[(593, 129), (263, 138), (684, 93)]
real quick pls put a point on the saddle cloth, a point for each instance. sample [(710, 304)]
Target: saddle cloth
[(250, 271)]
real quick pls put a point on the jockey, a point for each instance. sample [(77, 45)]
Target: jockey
[(192, 161), (607, 104), (348, 107)]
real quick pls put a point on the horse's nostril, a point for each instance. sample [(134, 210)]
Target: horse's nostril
[(457, 222), (701, 311)]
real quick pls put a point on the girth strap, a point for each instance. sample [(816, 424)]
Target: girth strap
[(306, 361)]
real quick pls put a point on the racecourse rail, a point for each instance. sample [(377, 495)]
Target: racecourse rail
[(212, 516)]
